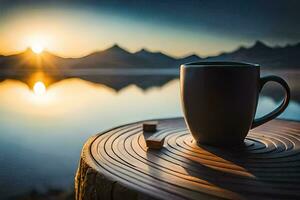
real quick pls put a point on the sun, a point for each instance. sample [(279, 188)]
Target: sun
[(37, 48), (39, 88)]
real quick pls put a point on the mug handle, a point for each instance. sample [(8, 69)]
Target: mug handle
[(279, 109)]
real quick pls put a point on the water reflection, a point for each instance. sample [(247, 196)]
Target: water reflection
[(42, 135)]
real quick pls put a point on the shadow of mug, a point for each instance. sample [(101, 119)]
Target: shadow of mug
[(219, 100)]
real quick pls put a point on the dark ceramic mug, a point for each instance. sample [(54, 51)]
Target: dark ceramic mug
[(219, 100)]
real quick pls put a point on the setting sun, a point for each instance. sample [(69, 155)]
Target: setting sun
[(39, 88), (37, 48)]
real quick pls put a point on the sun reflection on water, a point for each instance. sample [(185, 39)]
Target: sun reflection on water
[(39, 88)]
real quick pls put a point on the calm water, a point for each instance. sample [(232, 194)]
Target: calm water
[(41, 136)]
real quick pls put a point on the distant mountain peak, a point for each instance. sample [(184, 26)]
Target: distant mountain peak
[(28, 50), (242, 48), (188, 59), (146, 52), (193, 56), (142, 51), (155, 56), (259, 45), (31, 53), (116, 47)]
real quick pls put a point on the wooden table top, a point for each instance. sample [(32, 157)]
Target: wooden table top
[(266, 167)]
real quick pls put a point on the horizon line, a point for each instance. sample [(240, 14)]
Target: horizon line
[(146, 49)]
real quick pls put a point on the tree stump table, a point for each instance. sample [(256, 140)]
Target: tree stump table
[(117, 164)]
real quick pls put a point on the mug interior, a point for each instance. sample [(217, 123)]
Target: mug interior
[(220, 64)]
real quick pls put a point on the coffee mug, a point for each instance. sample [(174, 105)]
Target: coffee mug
[(219, 100)]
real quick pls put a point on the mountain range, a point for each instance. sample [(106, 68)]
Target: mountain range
[(116, 57)]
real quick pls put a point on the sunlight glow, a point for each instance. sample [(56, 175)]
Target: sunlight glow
[(37, 48), (39, 88), (53, 27)]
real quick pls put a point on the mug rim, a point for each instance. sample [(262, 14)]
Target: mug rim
[(219, 64)]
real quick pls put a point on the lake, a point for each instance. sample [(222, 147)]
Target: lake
[(42, 135)]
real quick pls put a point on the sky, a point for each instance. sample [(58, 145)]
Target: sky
[(178, 28)]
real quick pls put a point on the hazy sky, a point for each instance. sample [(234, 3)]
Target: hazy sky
[(76, 28)]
